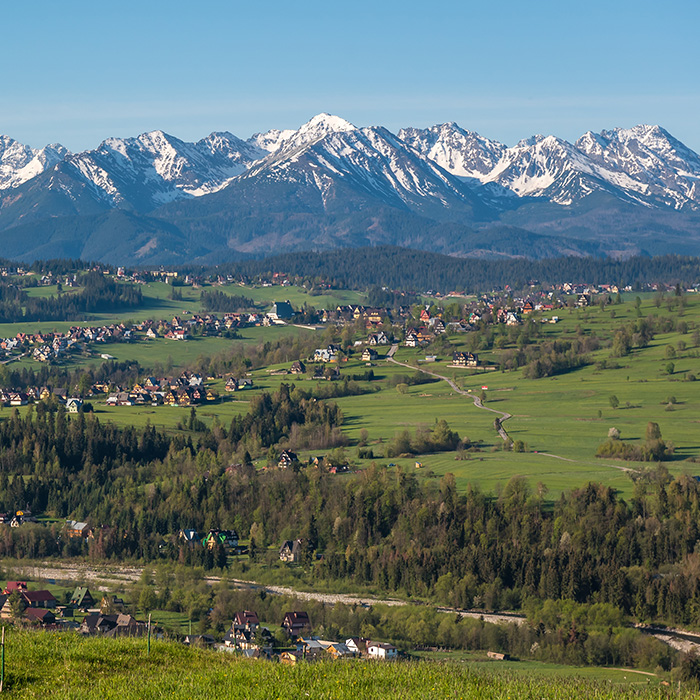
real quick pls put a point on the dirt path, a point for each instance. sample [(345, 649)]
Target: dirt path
[(502, 415)]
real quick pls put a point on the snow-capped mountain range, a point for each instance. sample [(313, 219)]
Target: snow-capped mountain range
[(441, 174)]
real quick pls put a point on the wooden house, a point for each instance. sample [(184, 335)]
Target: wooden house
[(290, 551), (369, 354), (82, 598), (296, 623)]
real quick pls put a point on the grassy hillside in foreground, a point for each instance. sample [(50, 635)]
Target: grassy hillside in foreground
[(66, 666)]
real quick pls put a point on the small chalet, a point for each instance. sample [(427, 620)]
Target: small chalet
[(281, 310), (227, 538), (82, 598), (203, 641), (369, 354), (296, 623), (381, 650), (15, 586), (73, 405), (290, 551), (189, 536), (39, 616), (246, 620), (357, 645), (411, 340), (290, 658), (298, 367), (76, 529), (378, 339), (287, 458)]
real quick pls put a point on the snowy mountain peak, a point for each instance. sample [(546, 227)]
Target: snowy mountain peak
[(462, 153), (314, 130), (326, 122), (20, 163)]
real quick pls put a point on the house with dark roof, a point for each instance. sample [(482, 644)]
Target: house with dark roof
[(290, 551), (39, 616), (287, 458), (296, 623), (39, 599), (281, 310)]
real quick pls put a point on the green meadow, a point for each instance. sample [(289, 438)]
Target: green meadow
[(66, 666), (560, 420)]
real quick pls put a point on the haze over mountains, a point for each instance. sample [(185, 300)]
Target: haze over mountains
[(157, 199)]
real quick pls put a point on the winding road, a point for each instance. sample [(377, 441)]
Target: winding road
[(502, 415)]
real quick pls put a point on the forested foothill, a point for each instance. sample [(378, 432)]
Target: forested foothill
[(583, 513), (419, 270)]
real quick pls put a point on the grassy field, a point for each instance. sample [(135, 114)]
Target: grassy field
[(66, 666), (561, 419)]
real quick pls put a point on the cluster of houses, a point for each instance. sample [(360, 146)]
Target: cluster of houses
[(17, 518), (288, 459), (187, 389), (47, 347), (228, 539), (107, 618), (249, 638), (50, 347), (41, 608), (22, 397)]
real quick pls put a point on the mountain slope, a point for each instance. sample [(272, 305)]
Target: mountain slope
[(329, 183), (20, 163)]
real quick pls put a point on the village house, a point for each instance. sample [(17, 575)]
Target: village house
[(381, 650), (73, 405), (281, 311), (378, 338), (76, 529), (190, 537), (39, 599), (465, 359), (39, 616), (82, 598), (112, 625), (357, 645), (290, 551), (369, 354), (245, 633), (411, 340), (296, 623), (227, 538), (287, 458)]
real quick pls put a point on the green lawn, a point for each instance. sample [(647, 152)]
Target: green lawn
[(567, 416), (66, 666), (480, 661)]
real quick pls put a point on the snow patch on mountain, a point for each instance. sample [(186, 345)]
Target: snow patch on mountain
[(20, 163)]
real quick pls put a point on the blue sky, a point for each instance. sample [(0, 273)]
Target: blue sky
[(77, 72)]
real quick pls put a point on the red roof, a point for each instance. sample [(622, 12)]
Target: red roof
[(15, 586), (38, 596), (39, 614), (247, 617)]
